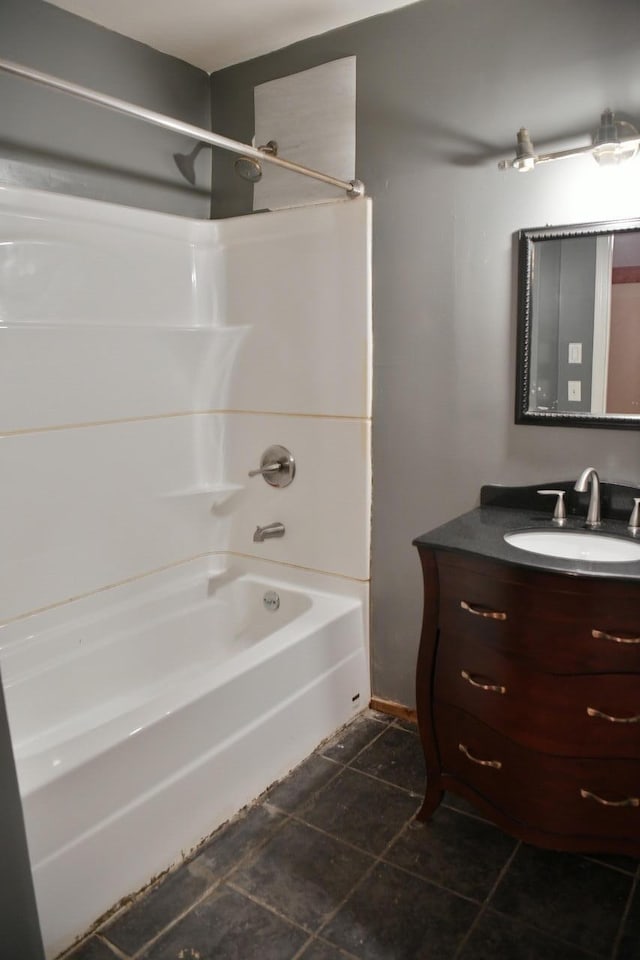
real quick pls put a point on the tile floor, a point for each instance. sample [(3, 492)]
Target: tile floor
[(330, 864)]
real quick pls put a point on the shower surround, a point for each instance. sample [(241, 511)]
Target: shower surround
[(147, 362)]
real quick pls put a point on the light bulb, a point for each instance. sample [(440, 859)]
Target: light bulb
[(525, 158), (608, 147)]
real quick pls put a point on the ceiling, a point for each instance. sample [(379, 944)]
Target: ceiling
[(212, 34)]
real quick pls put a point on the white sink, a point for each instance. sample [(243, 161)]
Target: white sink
[(573, 545)]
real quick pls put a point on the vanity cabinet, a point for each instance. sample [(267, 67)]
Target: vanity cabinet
[(528, 695)]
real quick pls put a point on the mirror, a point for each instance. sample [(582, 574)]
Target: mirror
[(578, 360)]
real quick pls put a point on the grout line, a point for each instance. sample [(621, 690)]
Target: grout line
[(548, 935), (268, 906), (303, 948), (117, 952), (325, 943), (625, 915), (397, 725), (355, 418), (69, 953), (287, 563), (104, 932), (470, 814), (107, 586), (381, 857), (419, 795), (485, 903), (521, 922), (331, 836), (26, 431), (294, 814), (374, 738), (341, 951), (376, 862), (172, 923), (55, 428), (612, 866), (348, 764), (216, 882), (172, 566), (342, 766)]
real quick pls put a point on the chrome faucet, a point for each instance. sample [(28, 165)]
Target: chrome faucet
[(593, 513), (271, 530)]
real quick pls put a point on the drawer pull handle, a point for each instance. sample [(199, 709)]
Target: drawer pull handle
[(601, 635), (483, 612), (495, 764), (592, 712), (491, 687), (628, 802)]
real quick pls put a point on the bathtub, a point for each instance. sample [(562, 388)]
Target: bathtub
[(144, 716)]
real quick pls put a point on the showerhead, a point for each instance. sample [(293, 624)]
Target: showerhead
[(185, 162), (250, 169)]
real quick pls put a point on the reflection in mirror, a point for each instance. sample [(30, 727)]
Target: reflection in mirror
[(579, 325)]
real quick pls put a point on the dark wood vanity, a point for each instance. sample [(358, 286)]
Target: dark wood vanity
[(528, 686)]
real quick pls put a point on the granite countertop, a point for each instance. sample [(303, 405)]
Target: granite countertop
[(481, 532)]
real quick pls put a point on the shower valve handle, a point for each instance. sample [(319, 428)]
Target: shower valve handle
[(277, 466), (268, 468)]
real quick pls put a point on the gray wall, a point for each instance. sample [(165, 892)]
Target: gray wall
[(442, 87), (51, 141)]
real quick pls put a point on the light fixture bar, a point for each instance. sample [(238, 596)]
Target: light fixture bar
[(607, 140)]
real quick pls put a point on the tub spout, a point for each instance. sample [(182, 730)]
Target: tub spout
[(271, 530)]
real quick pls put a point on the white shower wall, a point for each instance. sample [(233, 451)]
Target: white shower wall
[(146, 361)]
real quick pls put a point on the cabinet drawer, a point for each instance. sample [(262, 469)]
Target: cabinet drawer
[(558, 623), (571, 797), (583, 716)]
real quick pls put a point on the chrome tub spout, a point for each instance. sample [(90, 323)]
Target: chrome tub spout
[(271, 530)]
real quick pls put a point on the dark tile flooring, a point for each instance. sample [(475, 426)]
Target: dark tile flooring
[(331, 864)]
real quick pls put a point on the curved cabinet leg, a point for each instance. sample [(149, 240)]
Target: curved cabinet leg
[(432, 799)]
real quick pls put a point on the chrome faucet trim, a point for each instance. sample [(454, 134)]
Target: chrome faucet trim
[(589, 475), (271, 530)]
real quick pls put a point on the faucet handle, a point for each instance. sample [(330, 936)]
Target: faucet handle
[(634, 519), (560, 512), (277, 466)]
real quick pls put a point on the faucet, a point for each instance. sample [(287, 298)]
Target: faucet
[(271, 530), (593, 513)]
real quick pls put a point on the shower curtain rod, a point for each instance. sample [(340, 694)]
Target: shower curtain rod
[(353, 188)]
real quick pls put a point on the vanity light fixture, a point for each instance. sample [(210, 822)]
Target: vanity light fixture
[(613, 141)]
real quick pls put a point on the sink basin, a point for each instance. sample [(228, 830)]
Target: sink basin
[(574, 545)]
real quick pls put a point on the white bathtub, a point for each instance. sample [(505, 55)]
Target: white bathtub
[(144, 716)]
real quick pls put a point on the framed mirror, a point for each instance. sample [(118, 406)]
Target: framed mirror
[(578, 348)]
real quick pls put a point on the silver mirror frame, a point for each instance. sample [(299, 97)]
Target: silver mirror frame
[(526, 245)]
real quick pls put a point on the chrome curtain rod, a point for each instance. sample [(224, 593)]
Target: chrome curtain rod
[(353, 188)]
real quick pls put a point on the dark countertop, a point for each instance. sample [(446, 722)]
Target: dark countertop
[(481, 532)]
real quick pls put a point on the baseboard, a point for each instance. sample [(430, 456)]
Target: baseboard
[(393, 709)]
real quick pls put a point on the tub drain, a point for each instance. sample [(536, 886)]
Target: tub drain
[(271, 600)]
